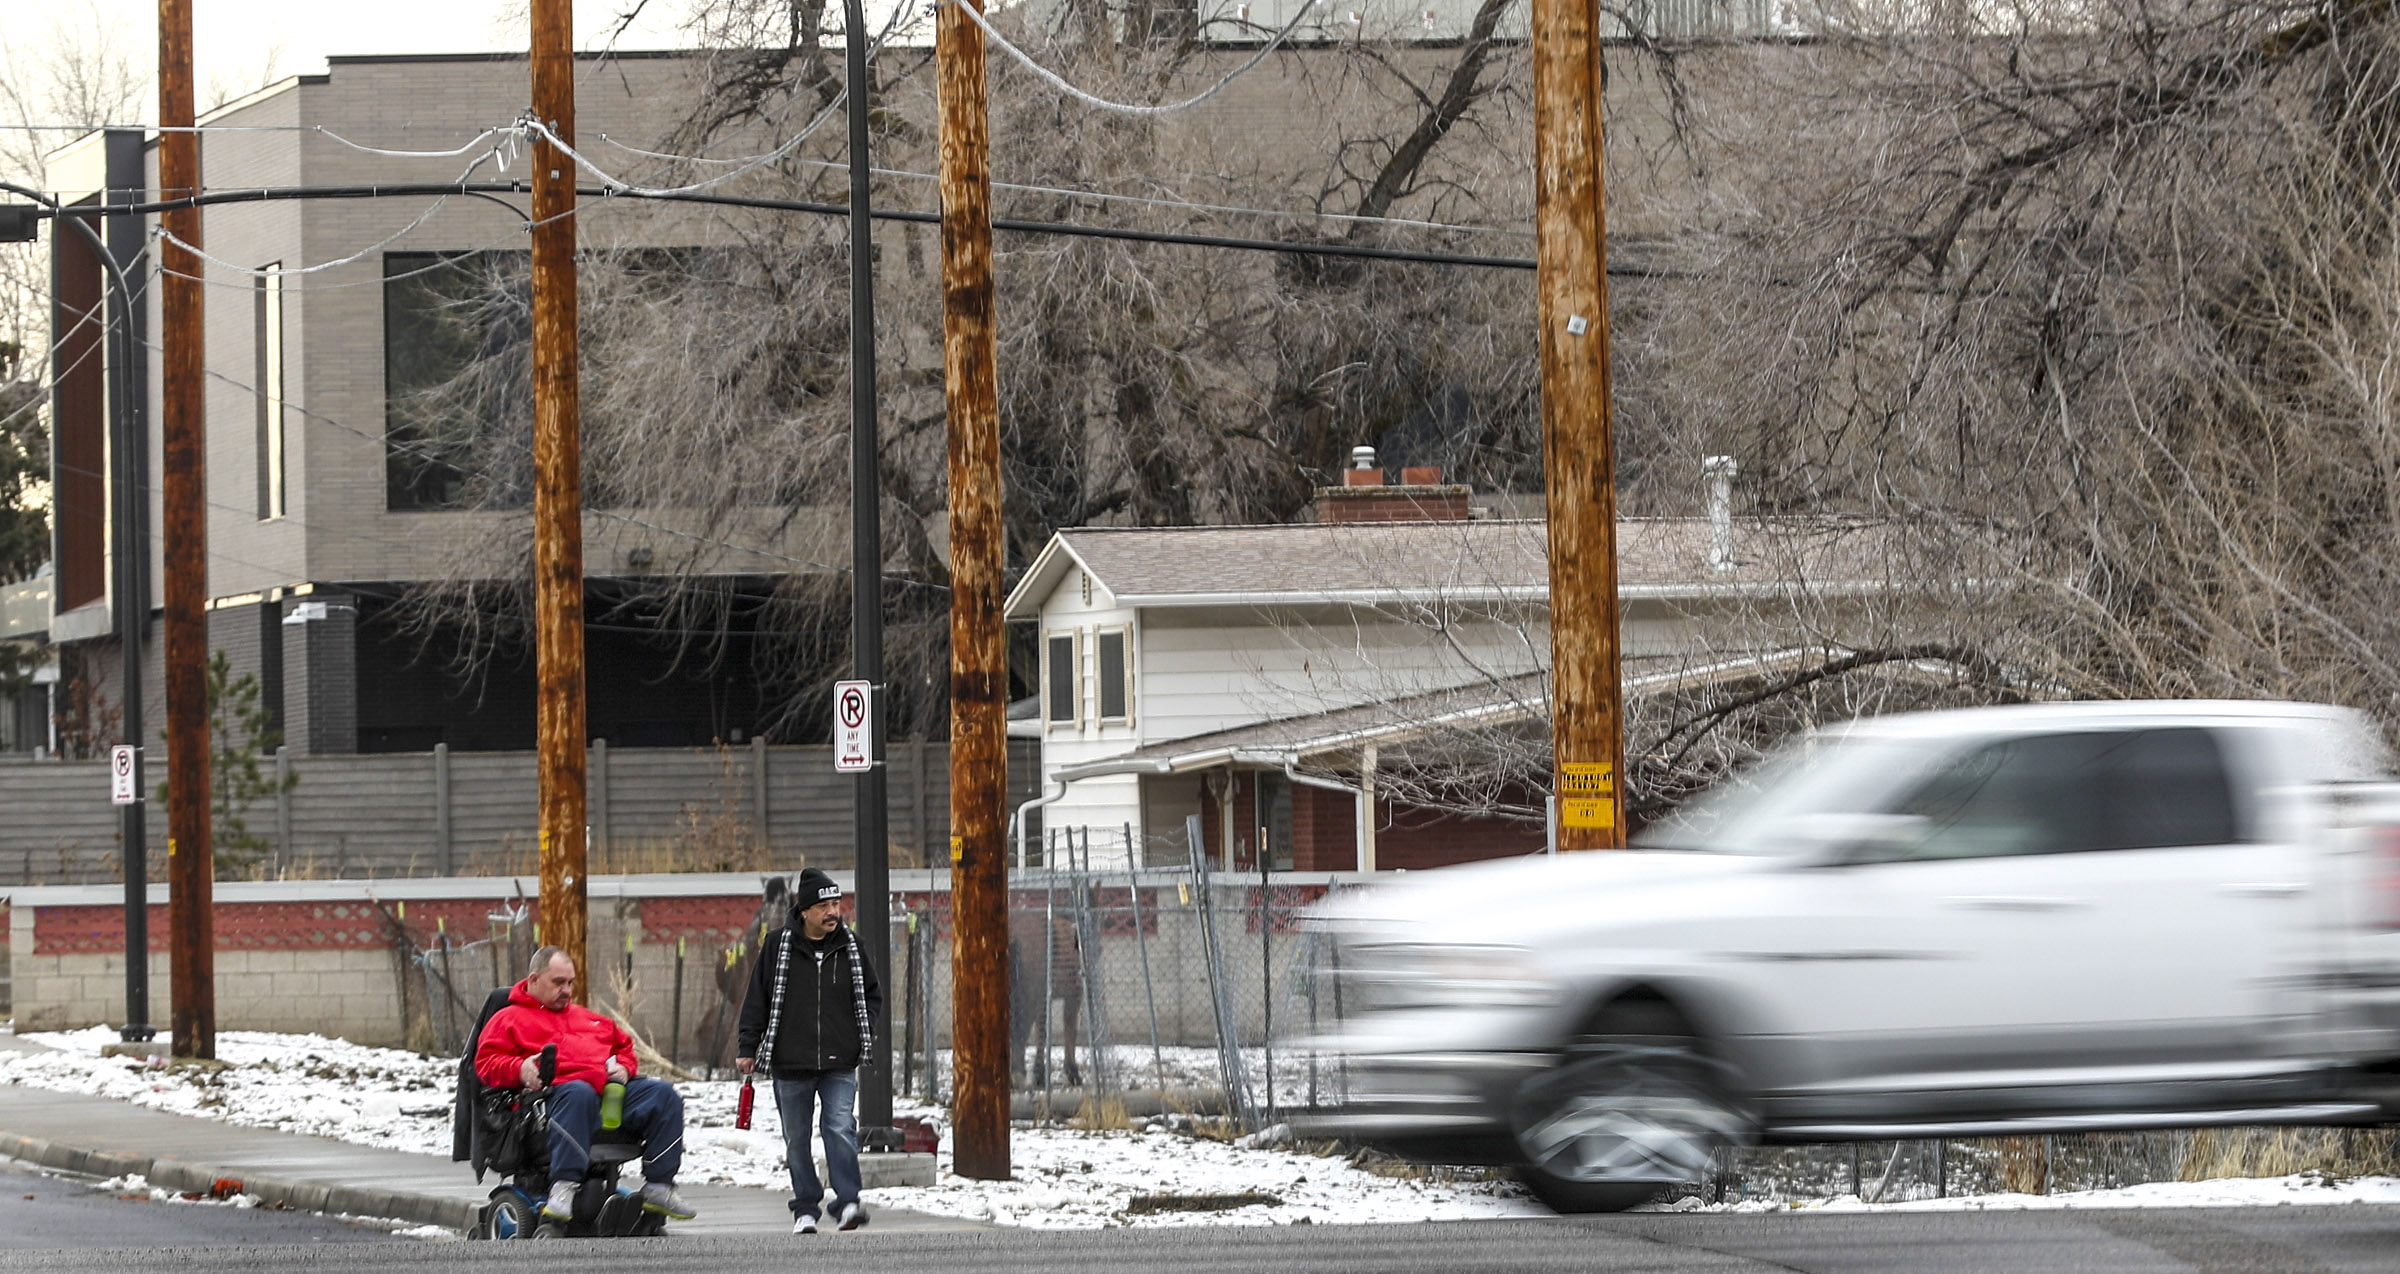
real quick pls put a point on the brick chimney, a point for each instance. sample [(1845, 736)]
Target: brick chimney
[(1364, 496)]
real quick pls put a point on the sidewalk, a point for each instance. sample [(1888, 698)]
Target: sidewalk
[(77, 1133)]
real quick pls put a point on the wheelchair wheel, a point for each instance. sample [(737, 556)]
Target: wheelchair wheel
[(619, 1215), (647, 1224), (510, 1218)]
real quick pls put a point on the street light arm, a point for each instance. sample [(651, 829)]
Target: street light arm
[(59, 213)]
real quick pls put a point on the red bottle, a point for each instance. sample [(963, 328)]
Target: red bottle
[(741, 1113)]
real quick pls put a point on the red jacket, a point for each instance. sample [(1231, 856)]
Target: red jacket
[(585, 1040)]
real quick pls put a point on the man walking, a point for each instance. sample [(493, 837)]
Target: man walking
[(807, 1022), (593, 1051)]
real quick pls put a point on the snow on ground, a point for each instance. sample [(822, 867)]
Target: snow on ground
[(1065, 1177), (136, 1186)]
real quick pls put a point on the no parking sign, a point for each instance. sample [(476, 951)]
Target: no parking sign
[(124, 776), (853, 729)]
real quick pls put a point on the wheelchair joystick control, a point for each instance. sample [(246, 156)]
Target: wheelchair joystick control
[(548, 1066)]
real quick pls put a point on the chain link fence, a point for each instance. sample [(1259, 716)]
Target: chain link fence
[(1145, 981), (459, 971), (1142, 980)]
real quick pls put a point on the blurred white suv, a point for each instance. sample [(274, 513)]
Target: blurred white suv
[(2049, 918)]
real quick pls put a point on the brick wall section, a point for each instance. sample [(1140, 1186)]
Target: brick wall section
[(1324, 830), (1412, 840), (1325, 835), (1439, 503), (325, 654)]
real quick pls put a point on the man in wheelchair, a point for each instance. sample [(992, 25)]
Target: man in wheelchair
[(544, 1043)]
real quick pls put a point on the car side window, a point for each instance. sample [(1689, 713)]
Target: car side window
[(2164, 788), (2015, 797), (2071, 793)]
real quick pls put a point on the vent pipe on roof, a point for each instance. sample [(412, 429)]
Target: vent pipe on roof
[(1717, 472)]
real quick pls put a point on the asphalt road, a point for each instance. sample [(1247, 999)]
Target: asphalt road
[(41, 1211), (2354, 1239)]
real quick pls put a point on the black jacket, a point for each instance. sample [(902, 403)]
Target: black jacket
[(464, 1132), (818, 1030)]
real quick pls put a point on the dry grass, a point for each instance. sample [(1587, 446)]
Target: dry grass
[(625, 1000), (2282, 1152), (2025, 1165), (1101, 1113)]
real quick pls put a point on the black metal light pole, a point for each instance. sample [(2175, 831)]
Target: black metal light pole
[(129, 456), (129, 523), (874, 880)]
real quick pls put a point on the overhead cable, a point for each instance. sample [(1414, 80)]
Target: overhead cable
[(272, 194), (1056, 81)]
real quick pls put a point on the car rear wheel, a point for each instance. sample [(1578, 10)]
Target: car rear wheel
[(1634, 1105)]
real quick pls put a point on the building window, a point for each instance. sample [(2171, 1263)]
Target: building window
[(457, 377), (1062, 680), (267, 306), (1114, 673)]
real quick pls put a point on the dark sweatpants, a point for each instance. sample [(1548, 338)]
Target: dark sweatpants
[(653, 1112)]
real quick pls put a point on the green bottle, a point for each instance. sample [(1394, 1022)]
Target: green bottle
[(612, 1105)]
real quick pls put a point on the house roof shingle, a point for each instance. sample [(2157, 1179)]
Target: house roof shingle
[(1475, 560)]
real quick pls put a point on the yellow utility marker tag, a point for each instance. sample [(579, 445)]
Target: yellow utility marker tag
[(1597, 778), (1587, 811)]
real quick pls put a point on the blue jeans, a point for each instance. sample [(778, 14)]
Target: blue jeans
[(653, 1112), (838, 1093)]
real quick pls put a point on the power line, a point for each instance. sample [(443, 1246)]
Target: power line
[(274, 194), (1181, 205)]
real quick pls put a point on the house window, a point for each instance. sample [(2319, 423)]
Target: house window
[(267, 302), (1062, 680), (457, 341), (1115, 674)]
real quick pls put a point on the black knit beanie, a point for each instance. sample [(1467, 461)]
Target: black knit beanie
[(814, 887)]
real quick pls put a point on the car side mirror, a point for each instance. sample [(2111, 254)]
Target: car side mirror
[(1841, 840)]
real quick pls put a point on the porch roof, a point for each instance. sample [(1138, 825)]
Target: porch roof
[(1289, 741)]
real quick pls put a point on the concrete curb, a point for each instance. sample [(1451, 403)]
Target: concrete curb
[(202, 1178)]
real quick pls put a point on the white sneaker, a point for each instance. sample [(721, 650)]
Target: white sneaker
[(561, 1203), (806, 1224), (660, 1197), (850, 1216)]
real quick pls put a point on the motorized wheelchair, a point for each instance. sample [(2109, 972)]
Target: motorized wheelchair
[(507, 1130)]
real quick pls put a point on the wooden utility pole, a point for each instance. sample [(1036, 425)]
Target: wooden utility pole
[(183, 452), (557, 496), (978, 651), (1579, 465)]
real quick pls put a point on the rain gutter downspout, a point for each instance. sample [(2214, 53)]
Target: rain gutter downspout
[(1017, 822)]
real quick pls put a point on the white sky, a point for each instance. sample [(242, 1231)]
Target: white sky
[(233, 40)]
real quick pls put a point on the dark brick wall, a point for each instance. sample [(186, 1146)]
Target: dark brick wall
[(1324, 830), (1325, 835), (1419, 838), (320, 678)]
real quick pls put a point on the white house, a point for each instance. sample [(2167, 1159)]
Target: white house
[(1225, 671)]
